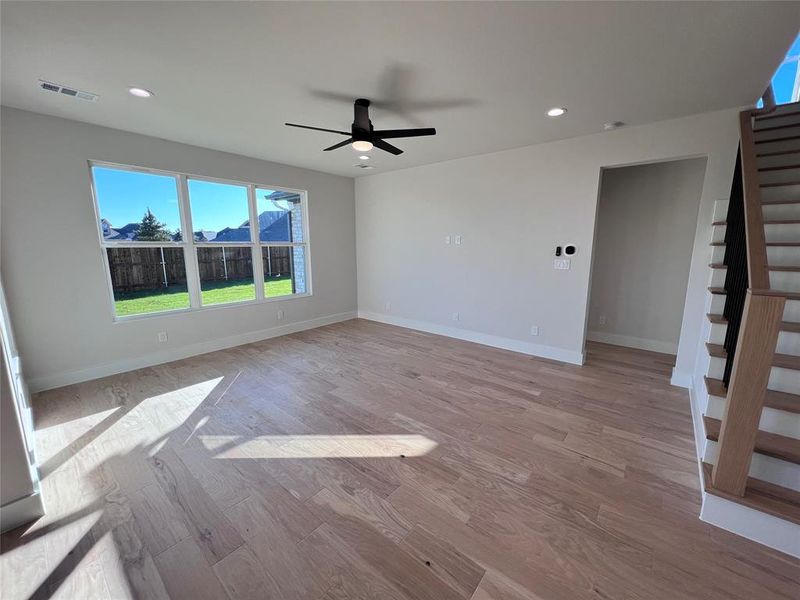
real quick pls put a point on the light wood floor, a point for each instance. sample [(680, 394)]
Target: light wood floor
[(361, 460)]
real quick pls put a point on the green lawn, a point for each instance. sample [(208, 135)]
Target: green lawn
[(176, 297)]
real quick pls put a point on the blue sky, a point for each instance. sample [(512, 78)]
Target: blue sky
[(124, 196)]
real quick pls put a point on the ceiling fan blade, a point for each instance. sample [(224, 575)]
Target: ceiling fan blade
[(318, 129), (403, 133), (386, 146), (339, 145)]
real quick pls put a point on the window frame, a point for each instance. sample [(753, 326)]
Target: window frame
[(189, 246)]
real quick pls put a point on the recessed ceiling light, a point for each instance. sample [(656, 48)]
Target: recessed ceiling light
[(556, 112), (140, 92), (362, 146), (364, 157)]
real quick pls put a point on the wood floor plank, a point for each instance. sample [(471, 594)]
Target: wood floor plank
[(186, 574), (337, 462)]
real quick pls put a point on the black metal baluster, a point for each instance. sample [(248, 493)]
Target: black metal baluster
[(736, 280)]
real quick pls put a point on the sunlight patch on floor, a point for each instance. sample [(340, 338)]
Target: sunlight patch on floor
[(318, 446)]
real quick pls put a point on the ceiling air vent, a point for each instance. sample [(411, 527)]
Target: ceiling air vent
[(363, 166), (56, 88)]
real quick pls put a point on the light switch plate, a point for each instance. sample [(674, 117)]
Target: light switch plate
[(562, 264), (458, 240), (447, 239)]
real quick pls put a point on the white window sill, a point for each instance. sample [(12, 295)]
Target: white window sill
[(181, 311)]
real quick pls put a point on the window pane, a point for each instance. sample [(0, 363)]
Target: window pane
[(147, 280), (280, 216), (226, 274), (284, 270), (219, 211), (136, 206)]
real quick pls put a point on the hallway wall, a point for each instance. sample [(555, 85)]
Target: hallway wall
[(647, 215)]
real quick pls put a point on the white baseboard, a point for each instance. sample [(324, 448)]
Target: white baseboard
[(681, 379), (752, 524), (559, 354), (632, 342), (21, 511), (63, 378)]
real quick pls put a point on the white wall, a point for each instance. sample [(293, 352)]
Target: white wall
[(512, 208), (646, 221), (52, 264)]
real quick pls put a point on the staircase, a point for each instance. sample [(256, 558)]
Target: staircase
[(752, 418)]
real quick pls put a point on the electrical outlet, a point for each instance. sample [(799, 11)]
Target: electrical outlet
[(602, 320), (534, 330), (447, 239), (458, 240), (388, 305), (455, 316), (162, 337), (280, 315)]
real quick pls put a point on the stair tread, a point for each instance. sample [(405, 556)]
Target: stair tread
[(785, 138), (718, 319), (783, 361), (717, 290), (780, 201), (717, 243), (768, 444), (770, 116), (776, 127), (785, 325), (772, 398), (763, 496), (767, 221), (786, 361), (789, 268), (786, 244), (779, 184), (779, 168), (777, 153)]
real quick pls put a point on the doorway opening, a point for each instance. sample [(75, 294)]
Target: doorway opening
[(644, 236)]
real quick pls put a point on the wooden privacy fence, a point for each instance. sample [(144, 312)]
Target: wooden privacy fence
[(134, 269)]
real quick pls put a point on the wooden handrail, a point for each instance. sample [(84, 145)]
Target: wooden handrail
[(757, 268)]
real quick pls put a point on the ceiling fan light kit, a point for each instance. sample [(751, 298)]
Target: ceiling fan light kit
[(364, 137)]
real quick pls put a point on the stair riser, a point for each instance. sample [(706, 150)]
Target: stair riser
[(778, 161), (766, 468), (781, 211), (768, 147), (774, 133), (784, 280), (774, 421), (788, 342), (790, 313), (782, 232), (783, 255), (780, 380), (780, 122), (780, 176), (783, 193)]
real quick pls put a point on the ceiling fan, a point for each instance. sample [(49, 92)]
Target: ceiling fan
[(364, 137)]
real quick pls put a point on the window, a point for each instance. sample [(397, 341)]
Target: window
[(280, 233), (786, 81), (240, 234), (221, 219)]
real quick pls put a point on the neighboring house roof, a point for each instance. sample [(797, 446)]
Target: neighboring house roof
[(239, 234), (277, 231)]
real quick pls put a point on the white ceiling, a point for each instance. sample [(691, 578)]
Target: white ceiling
[(228, 75)]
